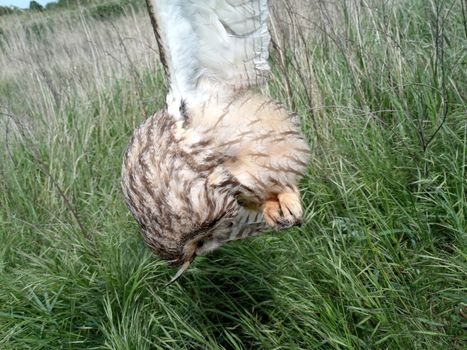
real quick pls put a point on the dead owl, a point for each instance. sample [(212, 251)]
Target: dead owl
[(221, 162)]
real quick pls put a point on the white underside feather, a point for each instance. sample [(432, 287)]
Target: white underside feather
[(212, 47)]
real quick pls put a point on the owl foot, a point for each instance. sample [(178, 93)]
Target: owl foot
[(283, 212), (272, 212), (291, 207)]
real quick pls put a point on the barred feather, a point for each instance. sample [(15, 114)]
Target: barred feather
[(220, 162)]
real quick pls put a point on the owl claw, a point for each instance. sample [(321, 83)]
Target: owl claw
[(290, 206), (272, 212), (283, 213), (284, 224)]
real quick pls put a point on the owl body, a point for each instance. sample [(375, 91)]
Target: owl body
[(227, 171), (221, 161)]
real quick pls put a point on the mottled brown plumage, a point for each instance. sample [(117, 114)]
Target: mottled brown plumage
[(225, 168)]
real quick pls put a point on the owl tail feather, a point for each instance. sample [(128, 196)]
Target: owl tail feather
[(180, 272)]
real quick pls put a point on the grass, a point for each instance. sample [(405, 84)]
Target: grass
[(381, 261)]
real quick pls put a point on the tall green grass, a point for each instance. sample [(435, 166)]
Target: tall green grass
[(380, 262)]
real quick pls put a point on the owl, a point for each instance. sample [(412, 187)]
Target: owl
[(221, 161)]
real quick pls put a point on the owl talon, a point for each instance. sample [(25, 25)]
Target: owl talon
[(291, 207), (283, 213), (272, 213), (284, 224)]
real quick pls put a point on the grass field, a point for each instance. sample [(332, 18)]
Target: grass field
[(381, 88)]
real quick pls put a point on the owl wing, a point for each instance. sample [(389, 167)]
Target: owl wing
[(210, 47), (248, 223)]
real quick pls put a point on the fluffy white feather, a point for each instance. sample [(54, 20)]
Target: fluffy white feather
[(211, 47)]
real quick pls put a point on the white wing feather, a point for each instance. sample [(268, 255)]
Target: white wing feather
[(211, 47)]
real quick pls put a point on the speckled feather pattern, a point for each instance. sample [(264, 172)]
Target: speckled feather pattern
[(193, 185), (220, 162)]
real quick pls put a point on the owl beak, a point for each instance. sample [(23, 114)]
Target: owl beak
[(180, 272)]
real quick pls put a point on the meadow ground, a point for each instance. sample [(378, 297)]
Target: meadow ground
[(380, 263)]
